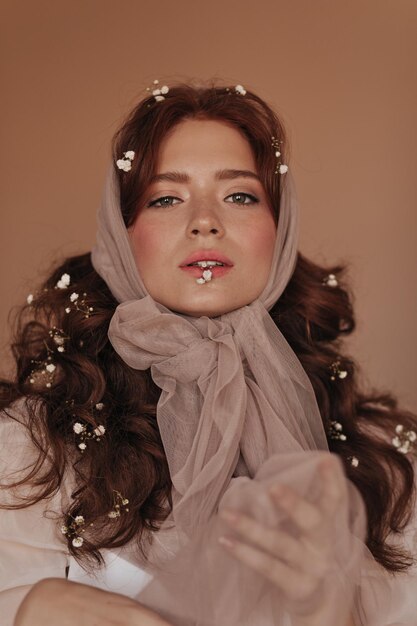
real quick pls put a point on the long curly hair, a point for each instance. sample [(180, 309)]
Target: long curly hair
[(74, 385)]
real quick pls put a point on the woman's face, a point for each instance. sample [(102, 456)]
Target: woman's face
[(206, 199)]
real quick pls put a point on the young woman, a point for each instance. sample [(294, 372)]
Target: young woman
[(184, 442)]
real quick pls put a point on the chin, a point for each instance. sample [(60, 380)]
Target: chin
[(207, 311)]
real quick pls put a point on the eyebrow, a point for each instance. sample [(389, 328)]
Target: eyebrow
[(182, 177)]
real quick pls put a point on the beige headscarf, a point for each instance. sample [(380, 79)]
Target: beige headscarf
[(237, 412)]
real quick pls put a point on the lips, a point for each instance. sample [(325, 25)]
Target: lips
[(207, 255)]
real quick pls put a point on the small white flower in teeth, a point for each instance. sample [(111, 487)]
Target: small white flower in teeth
[(207, 276)]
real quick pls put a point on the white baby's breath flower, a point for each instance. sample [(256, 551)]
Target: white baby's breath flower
[(61, 349), (79, 520), (240, 90), (99, 431), (64, 529), (159, 98), (156, 92), (129, 155), (164, 89), (50, 368), (74, 297), (67, 310), (100, 406), (412, 436), (78, 428), (82, 446), (113, 514), (77, 542), (64, 281), (283, 169), (124, 164), (29, 299)]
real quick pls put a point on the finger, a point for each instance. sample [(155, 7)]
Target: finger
[(296, 585), (333, 487), (303, 513), (273, 541)]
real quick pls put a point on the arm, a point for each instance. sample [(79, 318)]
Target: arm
[(31, 547), (33, 557), (54, 601)]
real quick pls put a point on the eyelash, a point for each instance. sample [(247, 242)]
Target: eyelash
[(238, 193)]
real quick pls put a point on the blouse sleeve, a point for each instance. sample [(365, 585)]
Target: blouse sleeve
[(31, 545), (392, 595)]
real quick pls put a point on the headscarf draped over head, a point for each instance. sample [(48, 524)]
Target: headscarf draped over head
[(237, 413)]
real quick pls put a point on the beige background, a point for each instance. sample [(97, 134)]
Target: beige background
[(342, 75)]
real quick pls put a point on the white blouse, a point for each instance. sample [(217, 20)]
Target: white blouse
[(32, 546)]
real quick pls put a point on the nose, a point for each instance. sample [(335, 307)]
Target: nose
[(205, 221)]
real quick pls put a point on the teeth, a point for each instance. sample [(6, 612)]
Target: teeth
[(207, 263)]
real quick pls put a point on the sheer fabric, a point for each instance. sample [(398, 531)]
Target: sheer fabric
[(237, 413)]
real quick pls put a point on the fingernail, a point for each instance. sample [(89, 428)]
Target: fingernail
[(226, 542)]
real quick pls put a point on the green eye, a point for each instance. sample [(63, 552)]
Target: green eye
[(242, 198), (163, 201)]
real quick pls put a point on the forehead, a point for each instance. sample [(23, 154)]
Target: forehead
[(208, 141)]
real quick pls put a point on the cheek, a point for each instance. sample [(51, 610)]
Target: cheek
[(147, 242), (263, 241)]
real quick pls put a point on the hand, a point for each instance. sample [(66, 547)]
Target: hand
[(55, 601), (296, 566)]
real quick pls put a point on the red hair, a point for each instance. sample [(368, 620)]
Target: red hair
[(130, 458)]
